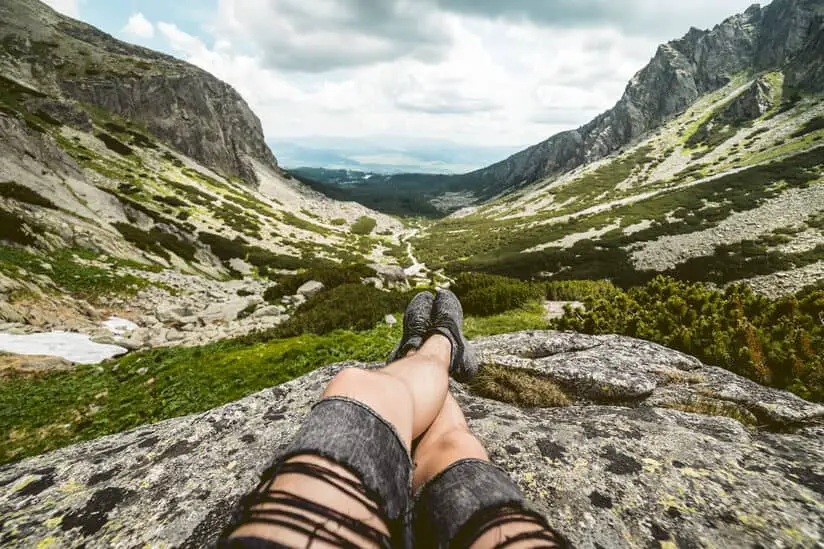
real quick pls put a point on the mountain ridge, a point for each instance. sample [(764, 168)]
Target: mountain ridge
[(198, 114)]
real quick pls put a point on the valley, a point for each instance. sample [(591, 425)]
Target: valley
[(661, 266)]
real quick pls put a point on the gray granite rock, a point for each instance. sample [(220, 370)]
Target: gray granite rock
[(632, 473)]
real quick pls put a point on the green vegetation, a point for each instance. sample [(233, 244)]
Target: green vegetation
[(338, 222), (226, 250), (497, 246), (157, 242), (58, 409), (364, 225), (331, 276), (603, 180), (71, 270), (346, 307), (113, 144), (45, 412), (519, 387), (298, 222), (775, 343), (531, 316), (811, 126), (486, 295), (13, 229)]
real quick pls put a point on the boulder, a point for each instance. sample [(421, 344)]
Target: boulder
[(628, 464), (391, 320), (172, 314), (270, 311), (225, 312), (391, 274), (311, 288), (241, 266)]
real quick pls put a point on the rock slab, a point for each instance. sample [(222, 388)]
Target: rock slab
[(630, 473)]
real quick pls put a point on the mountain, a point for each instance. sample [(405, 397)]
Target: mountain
[(652, 433), (124, 170), (785, 36), (188, 108)]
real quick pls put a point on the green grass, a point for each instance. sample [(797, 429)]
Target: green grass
[(48, 412), (43, 413), (89, 282), (364, 225), (13, 229)]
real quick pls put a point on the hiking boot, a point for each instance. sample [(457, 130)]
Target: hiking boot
[(415, 325), (447, 320)]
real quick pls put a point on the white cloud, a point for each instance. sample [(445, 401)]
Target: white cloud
[(139, 27), (322, 68), (66, 7)]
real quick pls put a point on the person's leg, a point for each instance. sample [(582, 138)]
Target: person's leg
[(311, 498), (462, 499)]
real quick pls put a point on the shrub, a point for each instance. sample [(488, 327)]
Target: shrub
[(113, 144), (12, 229), (331, 277), (775, 343), (364, 225), (519, 387), (486, 295), (222, 247), (813, 125), (338, 222), (21, 193), (170, 201), (347, 307), (156, 241)]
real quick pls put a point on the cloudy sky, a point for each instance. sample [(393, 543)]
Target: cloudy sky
[(498, 73)]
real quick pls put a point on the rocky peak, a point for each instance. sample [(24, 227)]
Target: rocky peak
[(654, 446), (681, 72), (191, 110)]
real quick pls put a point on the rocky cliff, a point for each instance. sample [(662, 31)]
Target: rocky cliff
[(656, 449), (761, 39), (197, 114)]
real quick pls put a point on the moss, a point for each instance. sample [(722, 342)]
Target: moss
[(300, 223), (113, 144), (364, 225), (13, 229), (710, 407), (518, 387), (21, 193)]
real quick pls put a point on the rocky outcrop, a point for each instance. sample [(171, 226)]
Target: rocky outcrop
[(199, 115), (681, 72), (624, 466)]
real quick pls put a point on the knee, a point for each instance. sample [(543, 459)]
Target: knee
[(357, 382)]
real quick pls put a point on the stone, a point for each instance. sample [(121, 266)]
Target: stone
[(270, 311), (311, 288), (172, 314), (373, 281), (107, 339), (224, 312), (391, 320), (34, 364), (606, 474), (241, 266), (390, 274), (9, 313)]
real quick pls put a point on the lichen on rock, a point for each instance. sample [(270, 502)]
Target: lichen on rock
[(623, 474)]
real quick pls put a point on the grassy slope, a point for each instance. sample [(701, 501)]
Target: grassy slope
[(52, 411), (496, 236)]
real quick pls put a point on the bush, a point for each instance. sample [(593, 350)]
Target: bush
[(331, 277), (347, 307), (170, 201), (222, 247), (113, 144), (12, 229), (486, 295), (21, 193), (338, 222), (156, 242), (364, 225), (775, 343)]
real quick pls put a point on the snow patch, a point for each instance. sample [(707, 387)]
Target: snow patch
[(77, 348)]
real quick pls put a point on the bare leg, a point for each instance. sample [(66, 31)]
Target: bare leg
[(409, 394), (449, 440)]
